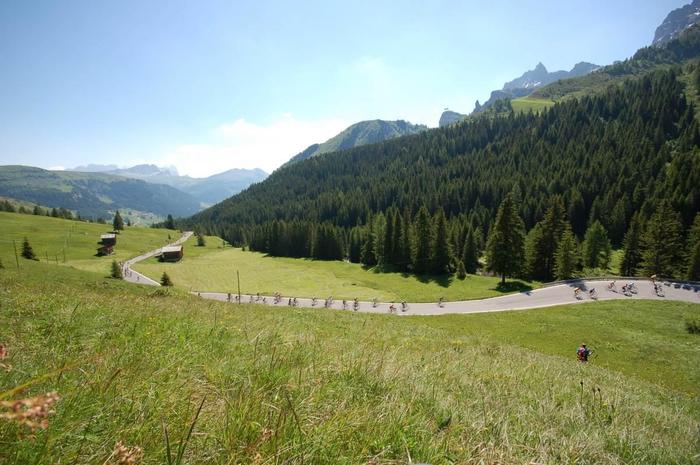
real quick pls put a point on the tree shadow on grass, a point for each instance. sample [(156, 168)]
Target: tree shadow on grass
[(512, 286), (441, 280)]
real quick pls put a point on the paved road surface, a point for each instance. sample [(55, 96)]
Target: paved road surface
[(545, 297), (136, 277), (549, 296)]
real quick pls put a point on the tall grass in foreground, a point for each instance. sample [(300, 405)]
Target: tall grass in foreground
[(309, 386)]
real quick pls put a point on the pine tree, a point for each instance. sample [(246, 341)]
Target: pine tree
[(596, 246), (405, 245), (566, 257), (504, 250), (388, 242), (118, 222), (442, 257), (27, 251), (461, 272), (470, 252), (543, 240), (632, 256), (424, 241), (201, 242), (116, 270), (662, 242), (170, 223), (165, 280), (397, 224), (693, 266)]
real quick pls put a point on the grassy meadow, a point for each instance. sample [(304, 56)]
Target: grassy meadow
[(213, 268), (51, 237), (131, 363), (529, 103)]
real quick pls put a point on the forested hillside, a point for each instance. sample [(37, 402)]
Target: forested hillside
[(92, 195), (609, 167)]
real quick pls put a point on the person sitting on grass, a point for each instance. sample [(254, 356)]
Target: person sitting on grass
[(583, 353)]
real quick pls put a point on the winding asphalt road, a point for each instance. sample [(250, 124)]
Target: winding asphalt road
[(138, 278), (557, 294)]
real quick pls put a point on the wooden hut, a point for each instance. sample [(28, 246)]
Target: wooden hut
[(107, 243), (171, 253)]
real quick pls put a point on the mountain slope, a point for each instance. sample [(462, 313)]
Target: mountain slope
[(207, 191), (362, 133), (676, 22), (608, 155), (522, 86), (93, 194)]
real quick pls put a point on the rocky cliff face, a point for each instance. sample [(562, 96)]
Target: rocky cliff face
[(676, 22)]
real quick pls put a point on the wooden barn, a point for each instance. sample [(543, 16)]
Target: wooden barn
[(107, 243), (171, 253)]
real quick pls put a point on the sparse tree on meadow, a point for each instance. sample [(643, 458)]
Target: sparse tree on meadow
[(27, 251), (116, 270), (118, 222), (165, 280)]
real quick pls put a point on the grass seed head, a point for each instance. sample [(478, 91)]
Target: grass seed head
[(32, 412), (126, 455)]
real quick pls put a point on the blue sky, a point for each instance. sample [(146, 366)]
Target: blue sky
[(211, 85)]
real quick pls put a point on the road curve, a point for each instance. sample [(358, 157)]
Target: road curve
[(560, 294), (134, 276)]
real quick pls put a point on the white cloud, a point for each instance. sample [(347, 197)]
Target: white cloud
[(243, 144), (57, 168)]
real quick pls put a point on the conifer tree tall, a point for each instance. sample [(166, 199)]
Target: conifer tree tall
[(405, 244), (632, 255), (170, 223), (662, 242), (693, 267), (118, 222), (596, 246), (504, 250), (566, 257), (442, 257), (470, 252), (423, 241)]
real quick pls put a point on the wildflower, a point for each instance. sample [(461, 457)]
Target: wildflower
[(125, 455), (32, 412)]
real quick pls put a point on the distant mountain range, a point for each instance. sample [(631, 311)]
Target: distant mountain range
[(207, 191), (520, 87), (93, 195), (362, 133), (676, 22)]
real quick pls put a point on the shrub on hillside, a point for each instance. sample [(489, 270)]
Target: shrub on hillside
[(116, 271), (165, 280), (692, 326), (27, 251)]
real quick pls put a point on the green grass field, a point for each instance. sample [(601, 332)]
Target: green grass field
[(212, 268), (50, 237), (525, 104), (330, 387)]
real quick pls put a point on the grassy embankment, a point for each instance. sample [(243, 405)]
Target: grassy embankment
[(526, 104), (213, 268), (319, 386), (51, 237)]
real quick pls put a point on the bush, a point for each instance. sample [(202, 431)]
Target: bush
[(116, 271), (461, 271), (27, 251), (165, 280), (692, 326), (200, 241)]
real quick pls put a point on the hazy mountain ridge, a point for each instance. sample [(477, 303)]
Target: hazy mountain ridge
[(362, 133), (93, 194), (207, 191), (676, 22)]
